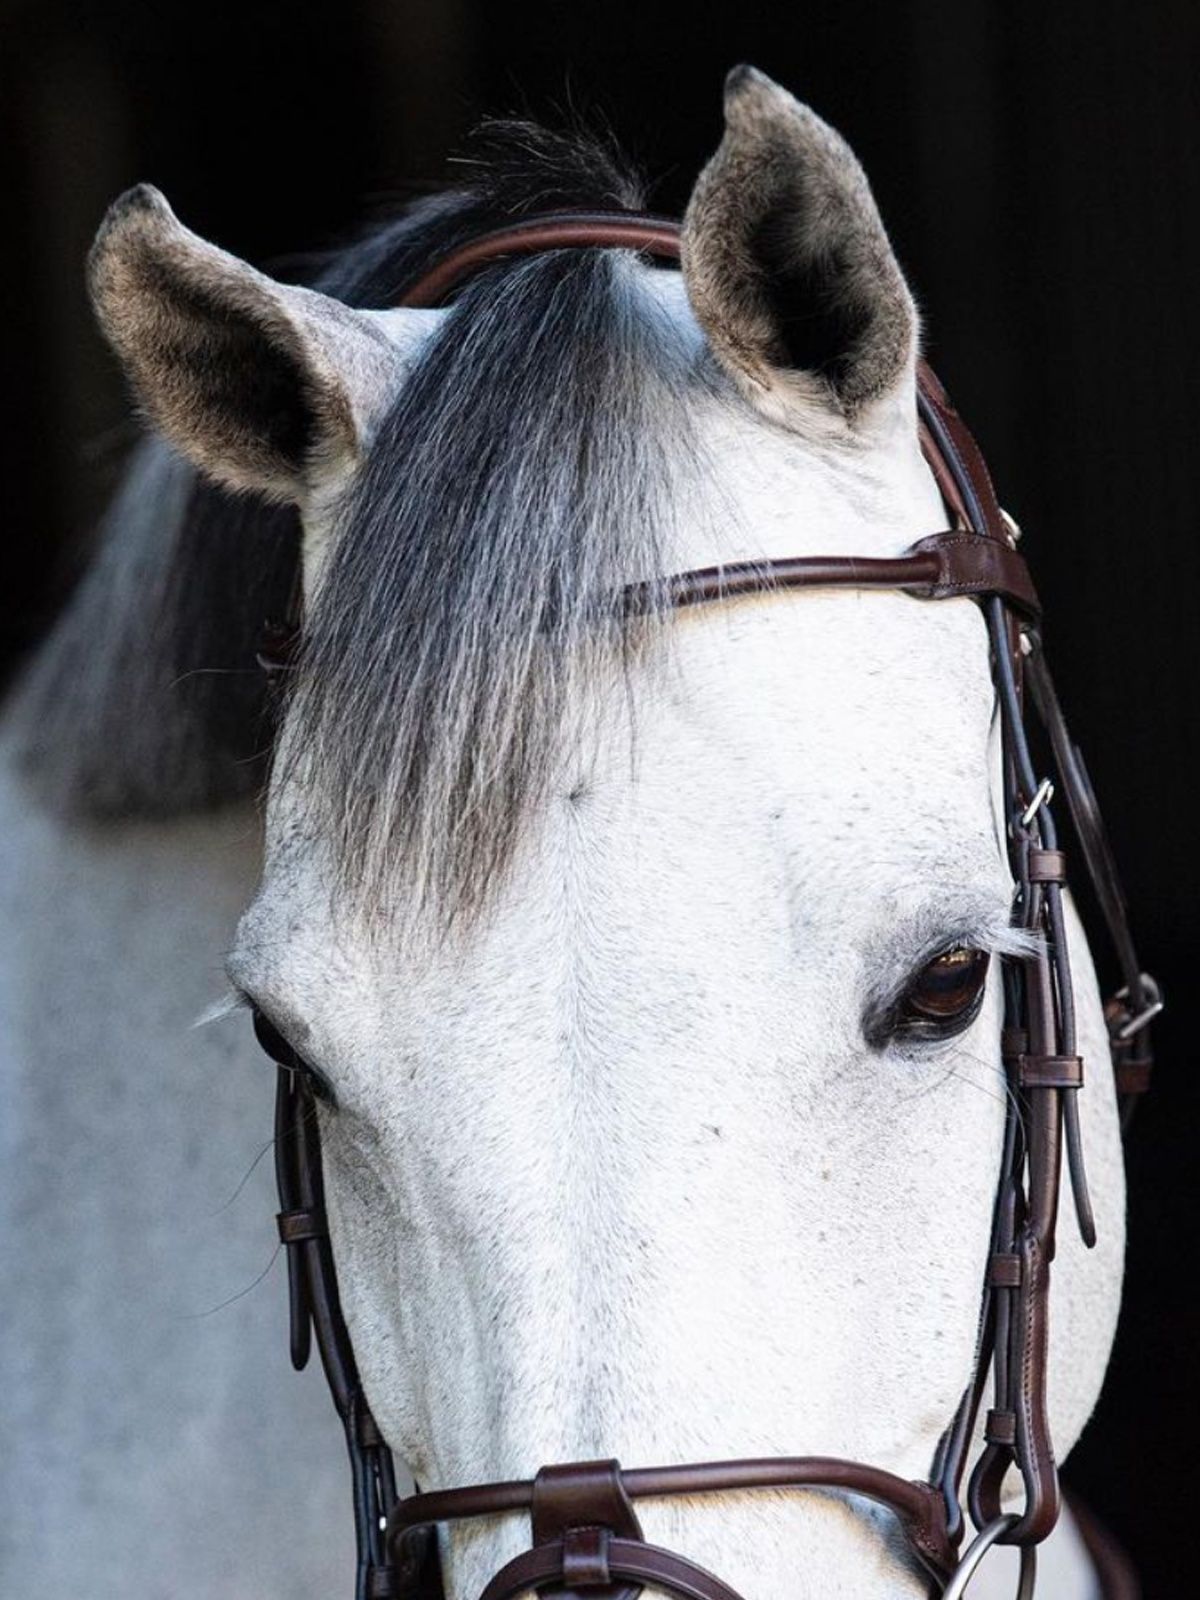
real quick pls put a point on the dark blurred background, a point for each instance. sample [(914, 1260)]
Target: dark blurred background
[(1037, 167)]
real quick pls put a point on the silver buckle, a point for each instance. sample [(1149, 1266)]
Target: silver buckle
[(1149, 1011), (1044, 793)]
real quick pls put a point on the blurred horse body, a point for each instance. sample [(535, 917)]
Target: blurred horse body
[(157, 1442)]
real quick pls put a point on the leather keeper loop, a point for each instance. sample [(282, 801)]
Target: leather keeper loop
[(585, 1558), (1050, 1072), (1004, 1271), (296, 1226), (1047, 866), (366, 1429), (381, 1583), (1014, 1042), (1001, 1427)]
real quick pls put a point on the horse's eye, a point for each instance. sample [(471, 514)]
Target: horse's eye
[(944, 997), (285, 1054)]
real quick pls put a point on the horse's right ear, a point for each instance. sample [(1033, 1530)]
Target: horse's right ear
[(262, 385), (789, 270)]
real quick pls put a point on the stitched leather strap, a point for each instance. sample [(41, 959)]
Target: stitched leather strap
[(938, 567), (919, 1508), (556, 230)]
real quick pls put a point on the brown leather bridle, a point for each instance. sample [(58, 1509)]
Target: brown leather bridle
[(586, 1541)]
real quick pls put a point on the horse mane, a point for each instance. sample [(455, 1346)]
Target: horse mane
[(519, 480)]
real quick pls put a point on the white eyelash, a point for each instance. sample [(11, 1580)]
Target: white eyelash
[(233, 1000), (1012, 942)]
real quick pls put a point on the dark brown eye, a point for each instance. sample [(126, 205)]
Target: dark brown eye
[(285, 1054), (944, 997)]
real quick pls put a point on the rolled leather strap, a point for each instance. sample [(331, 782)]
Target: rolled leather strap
[(557, 230), (942, 566), (920, 1508)]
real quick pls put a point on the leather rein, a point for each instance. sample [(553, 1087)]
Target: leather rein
[(586, 1541)]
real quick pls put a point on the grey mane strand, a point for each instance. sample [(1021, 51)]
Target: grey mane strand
[(474, 600), (146, 699), (526, 472)]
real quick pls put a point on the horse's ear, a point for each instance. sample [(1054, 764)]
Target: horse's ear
[(787, 264), (261, 385)]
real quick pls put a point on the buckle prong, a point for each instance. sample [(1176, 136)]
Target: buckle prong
[(1147, 987), (1043, 794)]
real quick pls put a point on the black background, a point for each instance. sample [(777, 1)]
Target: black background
[(1037, 167)]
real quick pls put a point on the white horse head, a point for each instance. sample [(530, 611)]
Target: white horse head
[(656, 1123)]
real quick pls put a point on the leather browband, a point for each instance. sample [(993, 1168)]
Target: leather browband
[(585, 1535), (938, 567), (555, 230), (941, 566)]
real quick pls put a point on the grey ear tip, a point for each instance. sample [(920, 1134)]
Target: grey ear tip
[(741, 79), (123, 222), (141, 202)]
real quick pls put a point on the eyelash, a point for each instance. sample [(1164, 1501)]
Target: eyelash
[(279, 1049)]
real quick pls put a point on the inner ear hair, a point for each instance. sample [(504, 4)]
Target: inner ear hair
[(820, 325), (788, 267), (230, 366), (251, 397)]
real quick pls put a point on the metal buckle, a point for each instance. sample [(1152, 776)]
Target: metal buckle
[(1151, 1008), (979, 1547), (1013, 527), (1043, 794)]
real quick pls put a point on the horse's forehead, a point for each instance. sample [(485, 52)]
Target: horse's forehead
[(823, 751), (840, 698)]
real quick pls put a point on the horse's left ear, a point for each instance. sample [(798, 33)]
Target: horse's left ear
[(262, 385), (788, 267)]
